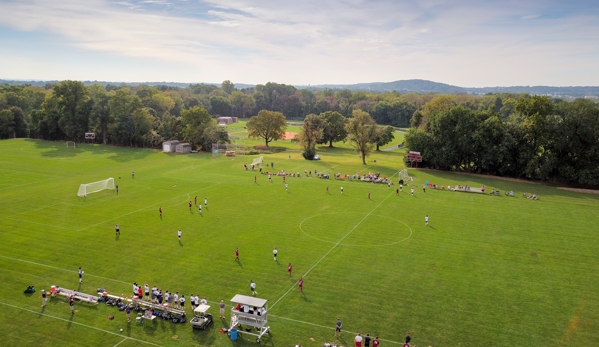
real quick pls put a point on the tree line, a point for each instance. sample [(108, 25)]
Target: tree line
[(538, 138)]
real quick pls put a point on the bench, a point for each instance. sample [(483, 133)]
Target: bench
[(79, 296)]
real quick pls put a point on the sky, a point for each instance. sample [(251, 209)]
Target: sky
[(306, 42)]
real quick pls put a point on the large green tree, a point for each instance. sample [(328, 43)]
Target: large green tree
[(73, 104), (361, 131), (383, 136), (333, 127), (267, 125), (310, 135)]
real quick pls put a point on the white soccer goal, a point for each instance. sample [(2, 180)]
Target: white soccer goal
[(403, 175), (258, 161), (88, 188), (71, 144)]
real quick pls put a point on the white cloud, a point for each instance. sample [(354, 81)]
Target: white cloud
[(310, 42)]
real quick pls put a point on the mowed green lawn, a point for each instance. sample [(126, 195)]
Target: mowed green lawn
[(487, 271)]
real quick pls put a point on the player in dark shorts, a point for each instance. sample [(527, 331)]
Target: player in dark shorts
[(117, 229)]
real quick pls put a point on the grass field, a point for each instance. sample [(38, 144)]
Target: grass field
[(487, 271)]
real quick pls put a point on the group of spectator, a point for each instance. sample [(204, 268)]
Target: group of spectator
[(169, 299)]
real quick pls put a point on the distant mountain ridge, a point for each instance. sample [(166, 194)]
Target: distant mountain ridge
[(402, 86)]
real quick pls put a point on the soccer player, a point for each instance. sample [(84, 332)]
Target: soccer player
[(412, 191), (367, 340), (192, 300), (253, 287), (255, 178), (286, 186), (289, 268), (195, 200), (72, 304), (426, 219), (375, 342), (300, 285), (400, 188), (327, 189), (408, 338), (200, 208), (424, 188), (147, 290), (132, 174), (205, 202), (176, 299), (396, 191), (182, 302), (117, 229), (237, 254), (368, 195), (44, 298), (179, 234), (358, 340), (80, 272), (269, 178), (117, 189), (204, 301), (160, 211), (189, 205), (338, 328), (341, 189), (275, 252), (283, 179)]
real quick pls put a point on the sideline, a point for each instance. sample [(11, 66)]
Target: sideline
[(77, 323)]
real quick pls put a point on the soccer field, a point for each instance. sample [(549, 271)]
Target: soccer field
[(486, 271)]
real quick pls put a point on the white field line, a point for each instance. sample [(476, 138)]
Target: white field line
[(121, 342), (77, 323), (142, 209), (332, 248), (326, 327), (62, 269)]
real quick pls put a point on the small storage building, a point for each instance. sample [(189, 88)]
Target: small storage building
[(225, 120), (170, 146), (184, 148)]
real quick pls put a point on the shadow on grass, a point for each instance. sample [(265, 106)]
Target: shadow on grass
[(58, 150), (432, 227), (180, 243)]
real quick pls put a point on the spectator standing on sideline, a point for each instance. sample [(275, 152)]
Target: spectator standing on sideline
[(367, 340), (338, 328), (204, 301), (182, 302), (222, 309), (275, 252), (44, 298), (147, 291), (358, 340), (80, 272), (176, 299), (128, 312)]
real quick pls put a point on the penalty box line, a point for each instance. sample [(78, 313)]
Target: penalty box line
[(332, 248), (77, 323), (144, 208)]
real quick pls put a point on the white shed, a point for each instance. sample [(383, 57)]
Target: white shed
[(170, 146)]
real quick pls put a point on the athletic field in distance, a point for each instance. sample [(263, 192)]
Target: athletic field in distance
[(486, 271)]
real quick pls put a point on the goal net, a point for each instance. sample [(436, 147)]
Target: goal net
[(403, 175), (258, 161), (70, 144), (229, 149), (88, 188)]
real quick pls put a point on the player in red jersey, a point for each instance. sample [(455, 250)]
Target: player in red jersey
[(190, 206), (289, 268), (160, 210), (300, 284), (236, 254)]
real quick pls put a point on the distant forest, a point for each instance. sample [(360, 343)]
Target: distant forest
[(508, 134)]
